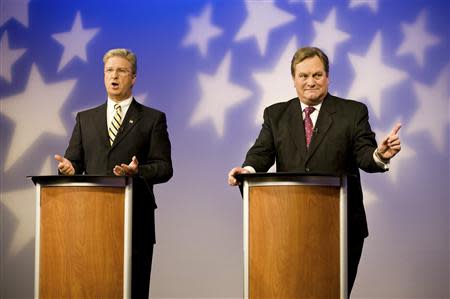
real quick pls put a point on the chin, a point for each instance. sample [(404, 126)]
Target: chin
[(312, 99), (316, 98)]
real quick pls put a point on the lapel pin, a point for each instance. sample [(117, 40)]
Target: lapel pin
[(131, 121)]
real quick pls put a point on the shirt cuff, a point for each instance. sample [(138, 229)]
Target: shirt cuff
[(250, 169), (382, 163)]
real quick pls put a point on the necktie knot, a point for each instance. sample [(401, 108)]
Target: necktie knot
[(117, 107), (308, 110)]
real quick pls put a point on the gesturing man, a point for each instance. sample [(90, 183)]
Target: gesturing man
[(317, 132), (124, 138)]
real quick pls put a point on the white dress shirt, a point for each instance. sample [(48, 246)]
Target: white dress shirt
[(110, 111)]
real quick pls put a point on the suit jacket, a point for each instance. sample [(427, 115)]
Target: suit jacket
[(342, 144), (143, 134)]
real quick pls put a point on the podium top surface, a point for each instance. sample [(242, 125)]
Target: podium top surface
[(333, 179), (118, 181), (285, 175)]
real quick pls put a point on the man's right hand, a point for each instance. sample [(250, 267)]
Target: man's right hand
[(64, 166), (232, 181)]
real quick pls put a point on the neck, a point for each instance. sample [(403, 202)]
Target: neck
[(119, 100)]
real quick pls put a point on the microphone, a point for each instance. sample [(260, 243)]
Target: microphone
[(316, 131)]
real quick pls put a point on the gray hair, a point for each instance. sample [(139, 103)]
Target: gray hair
[(125, 53)]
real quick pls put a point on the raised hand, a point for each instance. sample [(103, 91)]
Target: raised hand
[(64, 166), (128, 170), (390, 145)]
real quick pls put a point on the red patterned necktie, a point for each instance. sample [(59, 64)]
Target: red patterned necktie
[(308, 124)]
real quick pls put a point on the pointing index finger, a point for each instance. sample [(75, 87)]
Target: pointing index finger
[(396, 129)]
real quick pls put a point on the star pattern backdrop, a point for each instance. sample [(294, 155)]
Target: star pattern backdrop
[(213, 66)]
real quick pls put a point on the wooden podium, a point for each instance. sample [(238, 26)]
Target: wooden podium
[(295, 236), (83, 237)]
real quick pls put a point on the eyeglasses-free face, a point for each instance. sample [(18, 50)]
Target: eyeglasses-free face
[(311, 81)]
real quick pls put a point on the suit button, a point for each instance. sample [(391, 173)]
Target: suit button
[(307, 169)]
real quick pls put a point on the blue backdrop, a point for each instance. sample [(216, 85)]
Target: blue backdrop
[(213, 66)]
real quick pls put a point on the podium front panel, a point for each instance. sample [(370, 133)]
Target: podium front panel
[(295, 237), (83, 239)]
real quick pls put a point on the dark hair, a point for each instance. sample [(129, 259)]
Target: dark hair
[(309, 52)]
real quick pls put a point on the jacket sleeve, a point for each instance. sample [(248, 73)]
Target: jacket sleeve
[(157, 168), (364, 142), (261, 156), (75, 152)]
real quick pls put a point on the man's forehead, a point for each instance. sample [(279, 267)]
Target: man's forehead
[(117, 60), (311, 61), (310, 69)]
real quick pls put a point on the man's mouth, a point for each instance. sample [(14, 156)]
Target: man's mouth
[(114, 84)]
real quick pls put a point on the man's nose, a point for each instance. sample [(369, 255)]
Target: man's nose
[(310, 81)]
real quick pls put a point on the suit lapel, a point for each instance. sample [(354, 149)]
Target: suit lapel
[(131, 118), (101, 124), (296, 127), (323, 124)]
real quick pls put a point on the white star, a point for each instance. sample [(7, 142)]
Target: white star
[(372, 76), (8, 57), (430, 115), (34, 112), (218, 95), (328, 36), (17, 9), (373, 4), (201, 31), (416, 39), (276, 84), (308, 3), (263, 16), (75, 41), (403, 157), (21, 206)]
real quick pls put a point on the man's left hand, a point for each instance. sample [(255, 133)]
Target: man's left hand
[(390, 145), (127, 170)]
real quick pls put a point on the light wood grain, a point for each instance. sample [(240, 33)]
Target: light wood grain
[(81, 251), (294, 242)]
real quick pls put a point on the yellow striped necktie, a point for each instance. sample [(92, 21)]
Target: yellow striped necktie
[(115, 123)]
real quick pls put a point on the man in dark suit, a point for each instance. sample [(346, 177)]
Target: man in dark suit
[(124, 138), (320, 133)]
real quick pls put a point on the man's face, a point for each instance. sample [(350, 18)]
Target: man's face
[(311, 81), (119, 78)]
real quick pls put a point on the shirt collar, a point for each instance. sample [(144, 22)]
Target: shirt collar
[(317, 107), (124, 104)]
